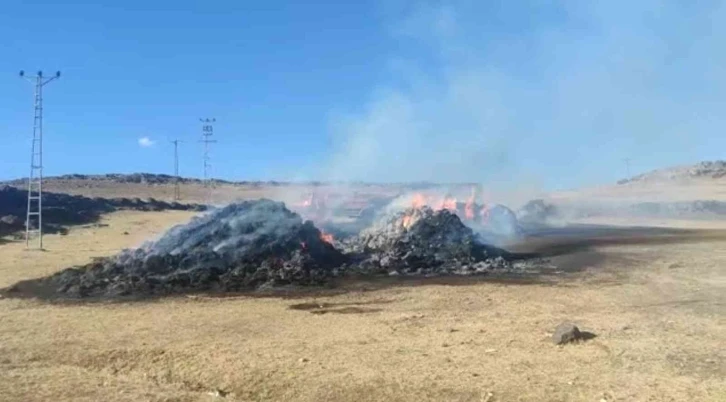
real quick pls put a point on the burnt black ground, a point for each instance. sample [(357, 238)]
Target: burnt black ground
[(63, 210)]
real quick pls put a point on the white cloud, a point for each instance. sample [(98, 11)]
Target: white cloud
[(146, 142)]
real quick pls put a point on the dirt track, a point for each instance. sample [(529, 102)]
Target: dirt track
[(657, 309)]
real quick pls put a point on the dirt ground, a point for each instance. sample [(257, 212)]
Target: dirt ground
[(658, 310)]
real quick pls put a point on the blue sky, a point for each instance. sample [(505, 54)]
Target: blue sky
[(553, 94)]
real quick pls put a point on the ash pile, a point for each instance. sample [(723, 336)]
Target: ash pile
[(421, 241), (242, 246)]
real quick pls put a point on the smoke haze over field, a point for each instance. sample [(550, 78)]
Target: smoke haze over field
[(551, 93)]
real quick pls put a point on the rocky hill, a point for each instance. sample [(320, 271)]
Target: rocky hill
[(162, 179), (137, 178), (701, 170)]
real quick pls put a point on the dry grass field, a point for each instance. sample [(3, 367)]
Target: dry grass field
[(686, 190), (195, 192), (221, 193), (658, 310)]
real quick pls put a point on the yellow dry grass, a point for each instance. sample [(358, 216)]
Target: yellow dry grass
[(195, 192), (191, 192), (673, 191), (658, 311)]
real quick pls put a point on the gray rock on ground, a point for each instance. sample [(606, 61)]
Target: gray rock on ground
[(565, 333)]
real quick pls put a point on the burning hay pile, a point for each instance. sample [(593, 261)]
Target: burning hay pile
[(259, 244), (242, 246), (424, 242)]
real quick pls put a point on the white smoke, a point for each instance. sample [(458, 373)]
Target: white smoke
[(221, 229), (553, 93)]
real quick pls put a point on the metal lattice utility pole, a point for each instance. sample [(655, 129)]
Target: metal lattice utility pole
[(35, 180), (207, 132), (177, 194)]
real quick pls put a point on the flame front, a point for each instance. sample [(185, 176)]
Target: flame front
[(471, 210), (326, 237), (448, 203), (407, 220), (418, 201)]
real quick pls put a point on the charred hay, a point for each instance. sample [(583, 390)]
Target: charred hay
[(260, 244), (242, 246), (422, 241)]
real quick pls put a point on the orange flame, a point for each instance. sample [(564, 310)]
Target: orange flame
[(418, 201), (448, 203), (326, 237), (407, 221)]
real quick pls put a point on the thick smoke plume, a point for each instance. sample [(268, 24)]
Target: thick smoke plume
[(515, 94)]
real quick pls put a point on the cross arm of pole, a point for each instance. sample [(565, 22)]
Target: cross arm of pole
[(49, 80), (39, 77)]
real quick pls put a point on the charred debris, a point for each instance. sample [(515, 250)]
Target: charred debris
[(262, 244)]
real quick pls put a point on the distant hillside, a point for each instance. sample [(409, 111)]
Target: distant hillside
[(138, 178), (161, 179), (701, 170), (161, 187)]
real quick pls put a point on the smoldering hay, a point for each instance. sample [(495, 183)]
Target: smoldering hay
[(423, 241), (261, 244)]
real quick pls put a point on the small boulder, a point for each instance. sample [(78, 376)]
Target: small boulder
[(566, 333)]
